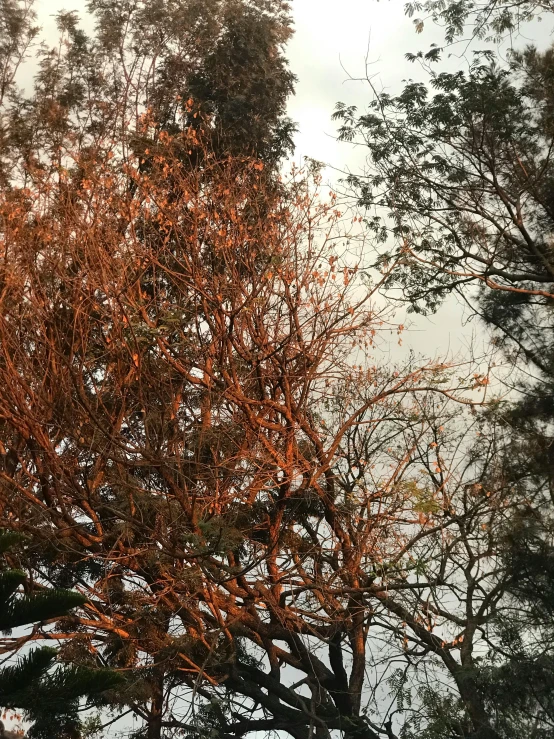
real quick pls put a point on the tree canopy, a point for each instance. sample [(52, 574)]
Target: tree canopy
[(245, 522)]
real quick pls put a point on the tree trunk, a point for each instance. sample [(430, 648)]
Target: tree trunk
[(475, 708), (156, 709)]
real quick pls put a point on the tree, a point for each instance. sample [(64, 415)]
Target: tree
[(48, 698), (214, 64), (465, 176), (182, 409), (459, 189), (194, 430), (186, 352), (480, 19)]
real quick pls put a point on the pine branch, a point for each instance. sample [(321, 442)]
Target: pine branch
[(28, 671), (38, 607)]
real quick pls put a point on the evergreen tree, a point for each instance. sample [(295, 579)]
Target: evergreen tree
[(49, 696)]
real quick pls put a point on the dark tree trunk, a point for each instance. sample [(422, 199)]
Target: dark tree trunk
[(156, 709)]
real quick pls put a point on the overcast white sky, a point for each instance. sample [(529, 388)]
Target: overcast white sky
[(331, 42), (328, 52)]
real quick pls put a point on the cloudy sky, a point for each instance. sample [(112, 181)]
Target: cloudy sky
[(331, 43), (334, 46)]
